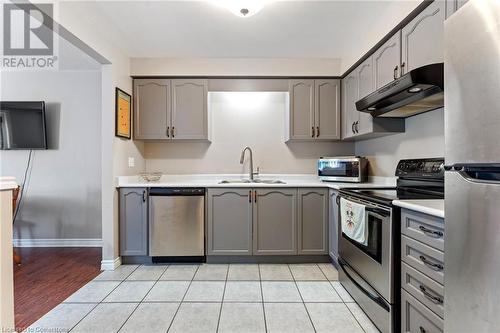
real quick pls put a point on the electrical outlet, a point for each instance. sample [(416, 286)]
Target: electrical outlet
[(131, 162)]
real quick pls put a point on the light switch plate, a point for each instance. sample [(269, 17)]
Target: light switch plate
[(131, 162)]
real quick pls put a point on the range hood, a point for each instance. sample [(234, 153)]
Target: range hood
[(419, 90)]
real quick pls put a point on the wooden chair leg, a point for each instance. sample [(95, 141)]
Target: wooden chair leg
[(17, 258)]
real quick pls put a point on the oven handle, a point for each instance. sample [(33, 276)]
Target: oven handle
[(377, 299), (379, 211)]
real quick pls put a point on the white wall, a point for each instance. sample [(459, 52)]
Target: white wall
[(235, 66), (63, 196), (115, 151), (238, 120), (424, 137)]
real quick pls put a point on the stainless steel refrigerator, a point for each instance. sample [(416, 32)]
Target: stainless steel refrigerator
[(472, 179)]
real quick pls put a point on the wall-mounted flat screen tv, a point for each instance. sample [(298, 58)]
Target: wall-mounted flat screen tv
[(22, 125)]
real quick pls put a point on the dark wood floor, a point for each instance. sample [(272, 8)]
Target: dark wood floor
[(47, 276)]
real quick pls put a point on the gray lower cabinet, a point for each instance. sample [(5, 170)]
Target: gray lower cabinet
[(313, 221), (133, 221), (274, 222), (422, 272), (229, 221), (422, 38), (333, 225)]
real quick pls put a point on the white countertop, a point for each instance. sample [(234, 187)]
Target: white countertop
[(213, 180), (7, 183), (433, 207)]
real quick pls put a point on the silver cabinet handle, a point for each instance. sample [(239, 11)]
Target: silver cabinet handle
[(433, 233), (396, 72), (352, 128), (356, 126), (434, 299), (317, 131), (403, 68), (312, 132), (173, 132), (144, 196), (434, 266), (168, 131)]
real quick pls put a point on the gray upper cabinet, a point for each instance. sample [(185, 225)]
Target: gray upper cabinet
[(366, 87), (229, 221), (133, 222), (274, 222), (170, 109), (314, 110), (422, 38), (349, 98), (151, 108), (386, 61), (189, 110), (333, 226), (313, 221), (327, 109), (301, 119)]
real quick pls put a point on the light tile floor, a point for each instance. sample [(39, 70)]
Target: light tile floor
[(247, 298)]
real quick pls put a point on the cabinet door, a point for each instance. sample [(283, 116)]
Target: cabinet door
[(313, 221), (302, 109), (229, 221), (350, 96), (366, 87), (386, 61), (133, 222), (327, 109), (274, 222), (151, 108), (422, 38), (333, 225), (189, 109)]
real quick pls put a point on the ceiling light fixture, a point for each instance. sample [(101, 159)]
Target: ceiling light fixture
[(242, 8)]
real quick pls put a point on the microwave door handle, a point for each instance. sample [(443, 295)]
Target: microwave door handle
[(377, 299)]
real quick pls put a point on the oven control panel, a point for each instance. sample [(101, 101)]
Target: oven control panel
[(428, 167)]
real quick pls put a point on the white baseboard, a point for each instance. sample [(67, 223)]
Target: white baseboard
[(110, 265), (65, 242)]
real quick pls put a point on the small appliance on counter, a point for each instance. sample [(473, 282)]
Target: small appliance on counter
[(351, 169)]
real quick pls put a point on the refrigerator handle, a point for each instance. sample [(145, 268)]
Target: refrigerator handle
[(481, 175)]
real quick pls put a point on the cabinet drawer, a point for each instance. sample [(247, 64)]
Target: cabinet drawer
[(422, 227), (416, 318), (423, 258), (426, 290)]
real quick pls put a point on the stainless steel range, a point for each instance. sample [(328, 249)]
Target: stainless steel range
[(370, 268)]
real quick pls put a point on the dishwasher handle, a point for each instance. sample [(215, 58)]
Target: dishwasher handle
[(176, 191)]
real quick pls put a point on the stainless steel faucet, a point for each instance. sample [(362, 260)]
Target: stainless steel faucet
[(242, 158)]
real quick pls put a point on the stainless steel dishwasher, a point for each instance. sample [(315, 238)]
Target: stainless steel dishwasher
[(177, 224)]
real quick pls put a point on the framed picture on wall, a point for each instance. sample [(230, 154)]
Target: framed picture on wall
[(123, 113)]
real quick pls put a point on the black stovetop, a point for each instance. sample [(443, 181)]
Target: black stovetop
[(387, 194), (417, 179)]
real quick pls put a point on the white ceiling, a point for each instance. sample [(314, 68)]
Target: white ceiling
[(284, 29)]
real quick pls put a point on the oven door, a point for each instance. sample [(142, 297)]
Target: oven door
[(373, 261), (344, 170)]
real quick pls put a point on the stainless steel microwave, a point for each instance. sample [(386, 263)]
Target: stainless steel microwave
[(352, 169)]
